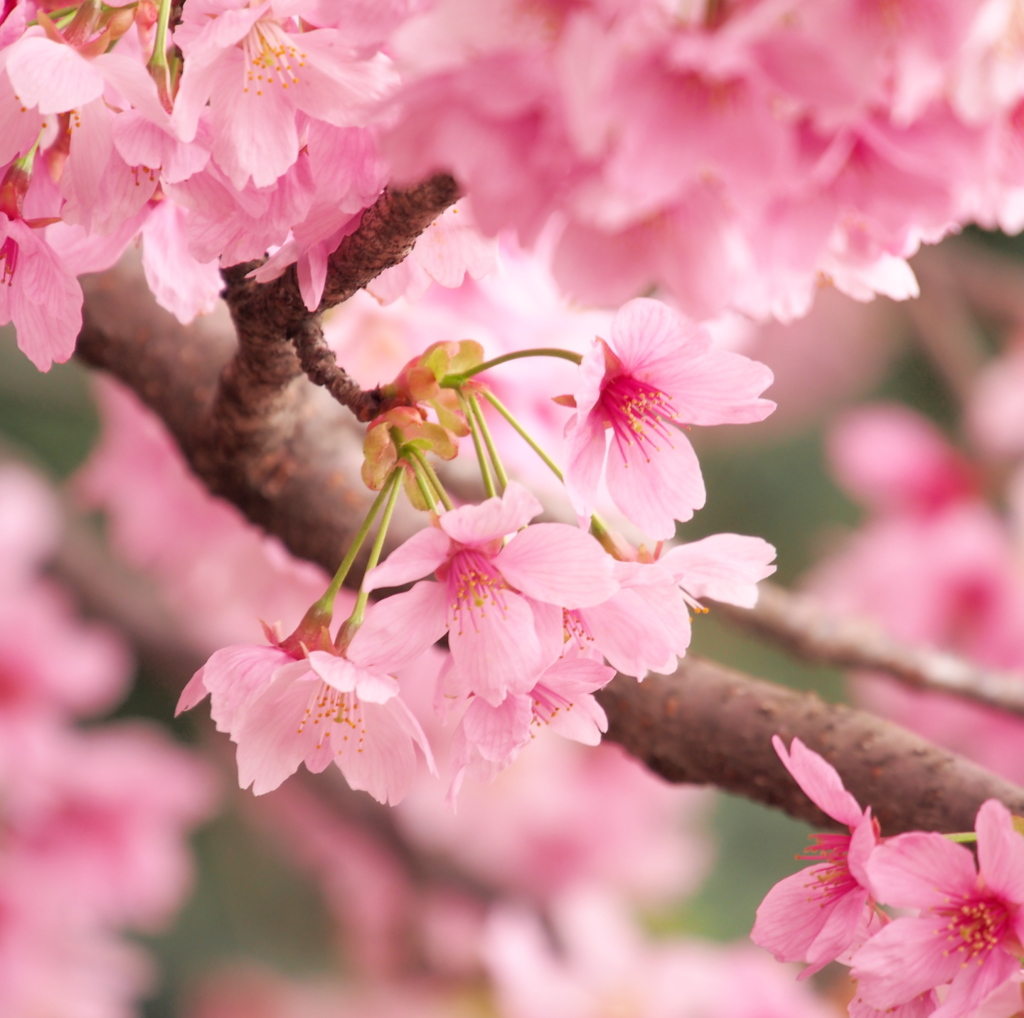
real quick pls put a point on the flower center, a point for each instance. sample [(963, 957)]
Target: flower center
[(9, 258), (575, 630), (547, 704), (637, 413), (332, 712), (975, 926), (474, 585), (270, 57), (831, 878)]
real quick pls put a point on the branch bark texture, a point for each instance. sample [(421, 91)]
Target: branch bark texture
[(706, 724)]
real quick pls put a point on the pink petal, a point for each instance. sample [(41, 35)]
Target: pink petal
[(723, 567), (52, 76), (647, 332), (919, 870), (400, 628), (586, 446), (838, 933), (492, 518), (559, 564), (904, 959), (719, 388), (790, 917), (386, 764), (416, 558), (496, 650), (819, 781), (498, 731), (974, 982), (1000, 851), (655, 488), (270, 743), (342, 675)]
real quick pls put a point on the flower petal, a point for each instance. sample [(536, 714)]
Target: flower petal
[(559, 564)]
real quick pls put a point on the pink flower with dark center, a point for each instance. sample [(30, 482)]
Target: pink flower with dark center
[(971, 926), (486, 593), (821, 912), (657, 373)]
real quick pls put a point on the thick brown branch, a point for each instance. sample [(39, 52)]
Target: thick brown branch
[(710, 725), (800, 624)]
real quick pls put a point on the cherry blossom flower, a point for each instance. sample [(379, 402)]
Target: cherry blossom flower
[(723, 567), (38, 294), (483, 597), (970, 929), (658, 371), (818, 914), (644, 626), (489, 737), (317, 709), (257, 73)]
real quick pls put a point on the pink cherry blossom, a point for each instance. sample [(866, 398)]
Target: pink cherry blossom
[(484, 594), (258, 72), (318, 709), (38, 294), (657, 372), (971, 926), (722, 567), (818, 914), (489, 737), (644, 626)]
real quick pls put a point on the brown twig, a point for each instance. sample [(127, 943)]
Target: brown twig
[(802, 626), (270, 317)]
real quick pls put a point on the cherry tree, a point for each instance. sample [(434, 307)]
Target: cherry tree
[(408, 319)]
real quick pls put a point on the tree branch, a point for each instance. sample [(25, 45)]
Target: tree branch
[(707, 724), (799, 624)]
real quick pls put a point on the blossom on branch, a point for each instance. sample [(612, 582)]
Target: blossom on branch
[(969, 932), (818, 914), (283, 709), (485, 592), (657, 373)]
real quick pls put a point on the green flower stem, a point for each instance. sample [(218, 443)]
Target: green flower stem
[(326, 603), (392, 487), (435, 481), (474, 430), (455, 381), (966, 838), (499, 467), (163, 20), (500, 407)]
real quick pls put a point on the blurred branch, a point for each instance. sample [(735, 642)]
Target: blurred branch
[(802, 626)]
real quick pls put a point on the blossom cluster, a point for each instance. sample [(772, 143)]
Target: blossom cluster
[(956, 942), (537, 615), (735, 154), (94, 818)]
